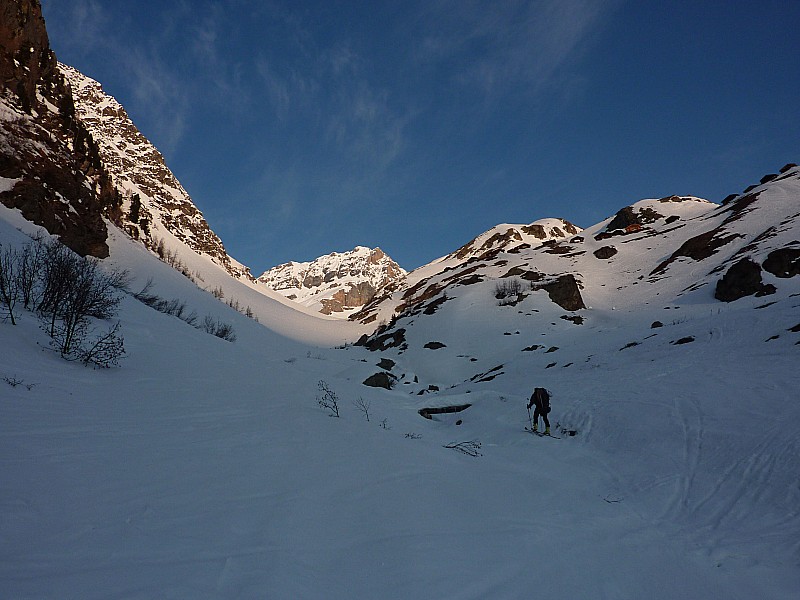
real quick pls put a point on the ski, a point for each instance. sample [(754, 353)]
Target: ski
[(540, 434)]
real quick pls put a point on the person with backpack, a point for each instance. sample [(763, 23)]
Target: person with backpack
[(541, 400)]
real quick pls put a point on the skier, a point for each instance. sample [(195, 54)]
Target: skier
[(541, 399)]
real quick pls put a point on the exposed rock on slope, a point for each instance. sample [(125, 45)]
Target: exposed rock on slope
[(154, 202), (517, 237), (338, 282), (50, 166), (466, 266), (664, 249)]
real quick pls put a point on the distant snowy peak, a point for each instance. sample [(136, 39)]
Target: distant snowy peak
[(154, 202), (507, 237), (338, 283)]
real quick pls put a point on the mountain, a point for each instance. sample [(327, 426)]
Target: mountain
[(653, 251), (154, 204), (501, 238), (50, 166), (210, 466), (71, 157), (343, 283), (339, 282)]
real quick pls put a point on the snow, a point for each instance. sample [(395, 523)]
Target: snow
[(7, 184), (310, 284), (202, 468)]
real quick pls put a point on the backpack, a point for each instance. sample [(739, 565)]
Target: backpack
[(543, 397)]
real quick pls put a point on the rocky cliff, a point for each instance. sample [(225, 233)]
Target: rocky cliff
[(50, 166)]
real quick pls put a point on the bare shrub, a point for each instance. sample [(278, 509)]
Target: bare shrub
[(222, 330), (328, 399), (507, 289), (106, 350), (73, 290), (470, 447), (30, 265), (9, 280), (363, 406)]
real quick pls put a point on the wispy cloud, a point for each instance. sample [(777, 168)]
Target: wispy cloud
[(497, 46), (330, 90), (156, 93), (129, 60)]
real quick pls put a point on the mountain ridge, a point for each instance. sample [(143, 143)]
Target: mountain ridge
[(339, 282), (153, 200)]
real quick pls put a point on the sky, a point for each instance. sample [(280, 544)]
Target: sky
[(301, 128)]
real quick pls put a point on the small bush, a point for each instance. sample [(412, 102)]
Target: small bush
[(105, 351), (507, 288), (67, 291), (73, 289), (363, 406), (9, 281), (328, 400), (222, 330)]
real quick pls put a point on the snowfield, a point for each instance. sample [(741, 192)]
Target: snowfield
[(202, 468)]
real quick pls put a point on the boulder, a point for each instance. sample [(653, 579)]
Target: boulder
[(783, 263), (380, 380), (742, 279), (564, 291), (605, 252)]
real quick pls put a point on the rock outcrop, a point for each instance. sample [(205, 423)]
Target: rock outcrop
[(50, 165)]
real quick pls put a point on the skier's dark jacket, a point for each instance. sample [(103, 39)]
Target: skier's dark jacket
[(541, 399)]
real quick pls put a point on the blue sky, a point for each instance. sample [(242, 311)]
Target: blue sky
[(301, 128)]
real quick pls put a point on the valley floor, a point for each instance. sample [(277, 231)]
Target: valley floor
[(202, 469)]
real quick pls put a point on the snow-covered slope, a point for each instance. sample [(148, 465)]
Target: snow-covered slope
[(337, 283), (203, 468), (155, 207), (500, 238)]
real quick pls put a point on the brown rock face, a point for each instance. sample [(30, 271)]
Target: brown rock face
[(356, 295), (27, 58), (60, 182)]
